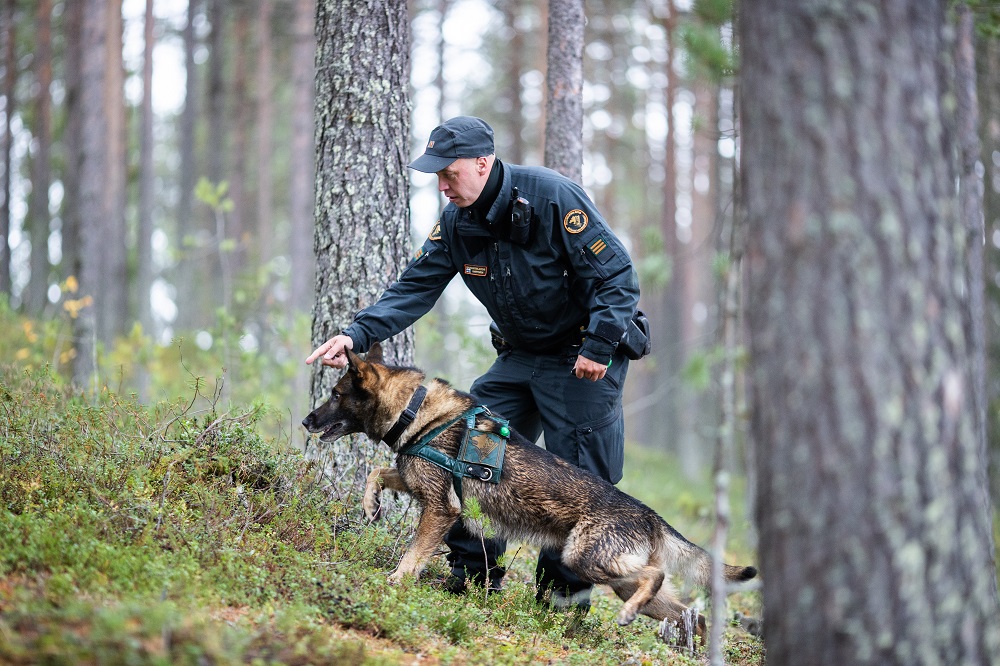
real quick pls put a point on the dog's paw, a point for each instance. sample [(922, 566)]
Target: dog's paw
[(626, 617), (396, 578), (371, 503)]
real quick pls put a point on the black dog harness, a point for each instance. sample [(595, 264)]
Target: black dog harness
[(480, 455)]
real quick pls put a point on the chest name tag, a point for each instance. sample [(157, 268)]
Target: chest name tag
[(481, 455), (475, 271)]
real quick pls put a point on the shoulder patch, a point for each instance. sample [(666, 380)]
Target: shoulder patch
[(575, 221), (435, 234)]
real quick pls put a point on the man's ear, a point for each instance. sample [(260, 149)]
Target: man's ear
[(375, 353)]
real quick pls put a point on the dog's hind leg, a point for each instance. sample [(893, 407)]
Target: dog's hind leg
[(664, 606), (379, 479), (642, 588)]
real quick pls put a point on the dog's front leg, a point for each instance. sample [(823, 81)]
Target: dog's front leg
[(434, 523), (380, 478)]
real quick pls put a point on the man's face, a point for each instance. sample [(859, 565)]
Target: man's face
[(463, 180)]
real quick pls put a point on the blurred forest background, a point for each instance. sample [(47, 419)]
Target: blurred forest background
[(162, 155)]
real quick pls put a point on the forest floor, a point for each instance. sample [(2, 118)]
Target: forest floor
[(154, 535)]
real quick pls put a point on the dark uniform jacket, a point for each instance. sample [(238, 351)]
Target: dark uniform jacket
[(571, 282)]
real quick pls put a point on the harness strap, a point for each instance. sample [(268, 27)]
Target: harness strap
[(406, 418), (458, 469)]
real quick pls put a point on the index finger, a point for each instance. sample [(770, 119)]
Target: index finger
[(322, 349)]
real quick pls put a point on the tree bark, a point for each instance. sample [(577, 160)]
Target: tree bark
[(988, 77), (301, 197), (564, 81), (111, 298), (265, 244), (362, 148), (36, 295), (238, 222), (144, 239), (6, 144), (72, 140), (184, 273), (100, 162), (876, 542)]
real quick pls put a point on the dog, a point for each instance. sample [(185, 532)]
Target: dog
[(605, 536)]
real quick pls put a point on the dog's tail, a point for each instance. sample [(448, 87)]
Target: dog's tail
[(700, 564)]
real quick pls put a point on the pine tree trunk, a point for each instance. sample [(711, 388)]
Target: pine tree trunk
[(875, 540), (184, 270), (111, 298), (238, 222), (988, 75), (71, 141), (92, 162), (564, 80), (147, 177), (362, 237), (301, 197), (265, 240), (8, 16), (41, 176)]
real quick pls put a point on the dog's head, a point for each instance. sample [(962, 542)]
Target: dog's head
[(367, 399)]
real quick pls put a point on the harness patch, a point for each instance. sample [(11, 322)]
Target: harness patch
[(485, 450), (575, 221), (475, 271)]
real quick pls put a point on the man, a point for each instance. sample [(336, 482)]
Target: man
[(531, 246)]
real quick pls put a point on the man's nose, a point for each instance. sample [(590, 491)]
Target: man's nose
[(442, 186)]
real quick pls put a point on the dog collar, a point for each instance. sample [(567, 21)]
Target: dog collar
[(406, 418)]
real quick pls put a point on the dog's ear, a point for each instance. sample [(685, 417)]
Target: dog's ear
[(375, 353), (354, 362)]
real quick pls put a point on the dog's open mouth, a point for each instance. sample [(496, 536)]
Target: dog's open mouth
[(332, 433)]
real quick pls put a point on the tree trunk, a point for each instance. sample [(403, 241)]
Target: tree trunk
[(564, 80), (100, 164), (41, 175), (111, 298), (238, 222), (265, 244), (988, 75), (301, 177), (362, 214), (9, 17), (876, 542), (184, 270), (513, 116), (72, 141), (147, 178), (217, 147)]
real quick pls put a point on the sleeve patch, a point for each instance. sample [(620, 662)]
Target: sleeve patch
[(575, 221), (600, 250), (435, 234)]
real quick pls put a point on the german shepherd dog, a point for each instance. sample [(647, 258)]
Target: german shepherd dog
[(606, 537)]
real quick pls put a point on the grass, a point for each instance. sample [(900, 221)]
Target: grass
[(159, 535)]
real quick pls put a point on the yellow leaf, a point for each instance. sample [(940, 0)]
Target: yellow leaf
[(22, 353), (71, 285)]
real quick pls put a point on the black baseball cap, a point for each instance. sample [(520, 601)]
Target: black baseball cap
[(462, 136)]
